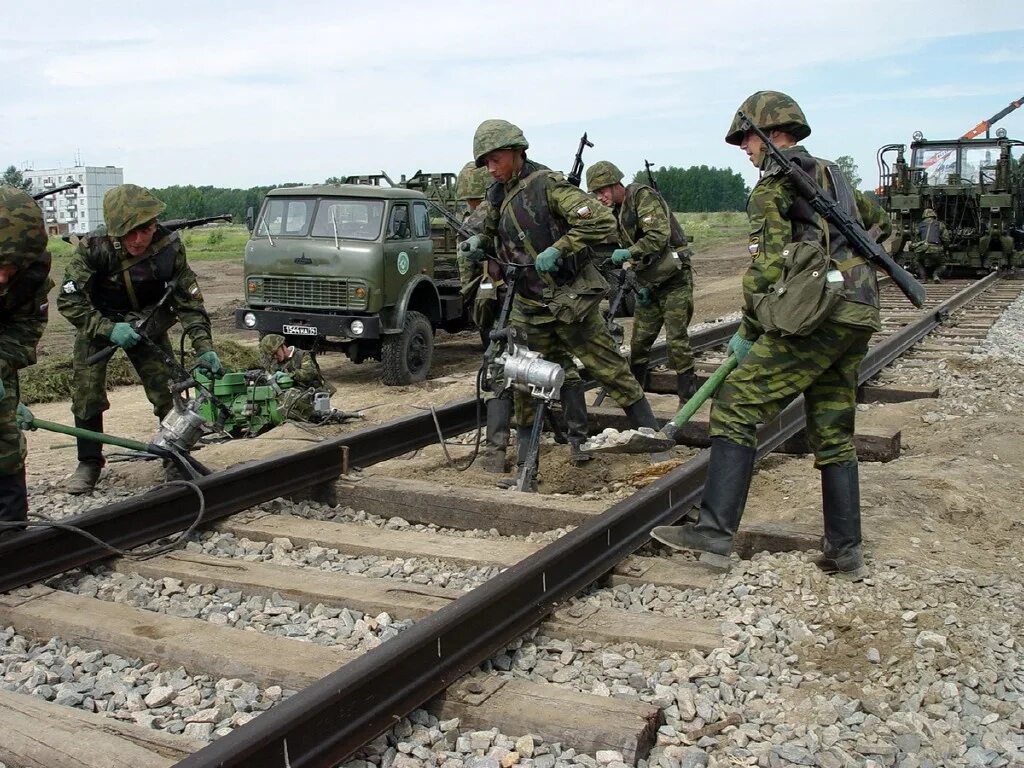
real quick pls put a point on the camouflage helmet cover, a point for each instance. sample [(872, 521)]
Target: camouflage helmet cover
[(127, 207), (929, 213), (770, 110), (472, 183), (602, 174), (496, 134), (270, 343), (22, 234)]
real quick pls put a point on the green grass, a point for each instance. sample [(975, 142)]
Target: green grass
[(50, 379), (210, 243), (710, 228)]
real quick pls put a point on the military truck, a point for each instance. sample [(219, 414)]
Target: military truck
[(974, 185), (358, 267)]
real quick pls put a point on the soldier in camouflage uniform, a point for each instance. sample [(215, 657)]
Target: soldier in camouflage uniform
[(24, 283), (479, 288), (653, 242), (539, 220), (774, 369), (874, 217), (280, 360), (117, 277), (930, 247)]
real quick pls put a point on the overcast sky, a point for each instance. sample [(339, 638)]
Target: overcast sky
[(239, 94)]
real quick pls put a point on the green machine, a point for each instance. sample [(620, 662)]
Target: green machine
[(252, 398)]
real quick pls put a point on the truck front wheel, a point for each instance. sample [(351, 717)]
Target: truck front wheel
[(405, 357)]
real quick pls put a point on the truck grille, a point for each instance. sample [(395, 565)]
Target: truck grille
[(313, 292)]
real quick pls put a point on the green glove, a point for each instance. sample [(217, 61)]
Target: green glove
[(739, 347), (280, 376), (23, 418), (124, 336), (643, 297), (547, 260), (620, 255), (210, 361), (470, 244)]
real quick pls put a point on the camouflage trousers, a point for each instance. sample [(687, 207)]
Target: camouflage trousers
[(296, 404), (89, 397), (586, 339), (672, 306), (469, 274), (822, 366), (12, 441), (486, 308), (929, 260)]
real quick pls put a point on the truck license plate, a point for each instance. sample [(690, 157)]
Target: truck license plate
[(300, 330)]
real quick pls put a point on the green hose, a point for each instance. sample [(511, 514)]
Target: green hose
[(100, 437), (707, 389)]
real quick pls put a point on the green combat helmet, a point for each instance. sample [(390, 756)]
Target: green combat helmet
[(270, 343), (496, 134), (472, 183), (928, 214), (127, 207), (22, 234), (770, 111), (602, 174)]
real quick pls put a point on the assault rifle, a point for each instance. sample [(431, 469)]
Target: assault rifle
[(860, 240), (451, 220), (172, 224), (175, 224), (650, 176), (55, 190), (576, 174)]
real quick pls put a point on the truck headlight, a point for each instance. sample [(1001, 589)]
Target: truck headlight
[(249, 320), (356, 327), (254, 286)]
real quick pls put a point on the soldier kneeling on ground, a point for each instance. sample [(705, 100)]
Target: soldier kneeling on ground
[(299, 401)]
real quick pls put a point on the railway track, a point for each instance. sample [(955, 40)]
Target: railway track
[(347, 696)]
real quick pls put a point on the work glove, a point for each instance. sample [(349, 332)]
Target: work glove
[(211, 362), (23, 418), (471, 247), (643, 297), (547, 260), (280, 376), (738, 347), (124, 336), (619, 256)]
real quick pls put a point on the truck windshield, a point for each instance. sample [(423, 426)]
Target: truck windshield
[(355, 219), (285, 217), (937, 162), (977, 164)]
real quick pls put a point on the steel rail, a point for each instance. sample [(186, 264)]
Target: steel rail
[(330, 720)]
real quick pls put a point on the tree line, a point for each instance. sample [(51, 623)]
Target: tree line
[(699, 188)]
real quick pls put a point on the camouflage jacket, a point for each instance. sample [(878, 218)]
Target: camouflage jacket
[(302, 367), (538, 209), (645, 229), (873, 216), (778, 216), (23, 314), (103, 284)]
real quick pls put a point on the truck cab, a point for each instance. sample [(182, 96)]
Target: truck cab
[(350, 267)]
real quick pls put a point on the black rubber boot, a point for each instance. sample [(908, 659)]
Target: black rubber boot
[(937, 274), (725, 494), (641, 415), (640, 374), (841, 550), (522, 447), (574, 406), (686, 385), (90, 458), (499, 413), (13, 499)]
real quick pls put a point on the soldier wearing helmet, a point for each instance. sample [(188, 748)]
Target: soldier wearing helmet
[(24, 283), (653, 245), (281, 361), (478, 291), (930, 246), (540, 221), (821, 363), (117, 277)]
